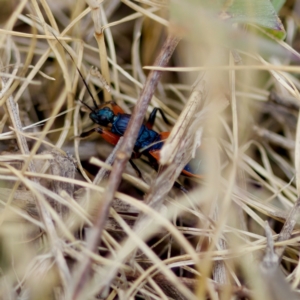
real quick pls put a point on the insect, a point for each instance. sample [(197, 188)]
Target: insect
[(115, 121), (148, 143)]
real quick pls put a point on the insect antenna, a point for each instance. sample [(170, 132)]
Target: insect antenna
[(80, 74), (91, 109)]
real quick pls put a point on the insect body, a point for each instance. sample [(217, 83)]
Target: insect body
[(148, 143)]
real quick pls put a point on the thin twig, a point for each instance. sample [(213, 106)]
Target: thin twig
[(274, 281), (287, 101), (274, 138), (288, 228), (270, 260), (122, 157)]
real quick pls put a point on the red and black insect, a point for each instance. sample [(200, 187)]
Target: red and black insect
[(148, 143), (115, 121)]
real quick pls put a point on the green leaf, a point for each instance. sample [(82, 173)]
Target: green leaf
[(278, 4), (205, 25), (258, 12)]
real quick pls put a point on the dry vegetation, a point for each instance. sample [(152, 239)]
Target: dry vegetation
[(72, 230)]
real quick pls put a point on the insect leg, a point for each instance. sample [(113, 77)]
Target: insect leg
[(180, 187), (152, 117), (136, 169), (87, 133)]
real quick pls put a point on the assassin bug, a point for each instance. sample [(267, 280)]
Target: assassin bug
[(115, 121)]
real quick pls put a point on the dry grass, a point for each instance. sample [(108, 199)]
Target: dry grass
[(71, 231)]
